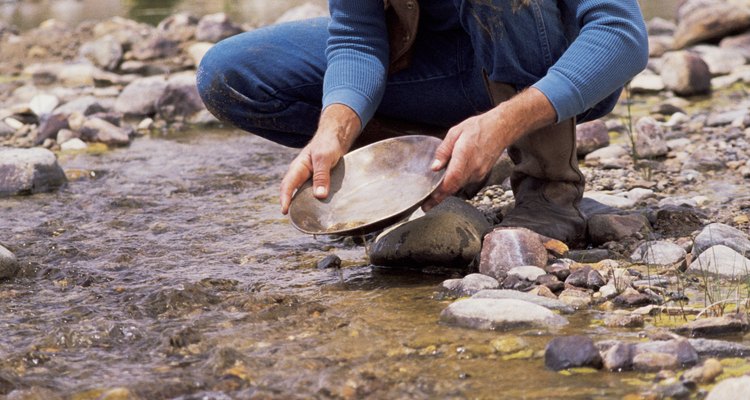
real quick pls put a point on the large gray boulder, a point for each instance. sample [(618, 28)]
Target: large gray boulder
[(448, 235), (500, 315), (28, 171)]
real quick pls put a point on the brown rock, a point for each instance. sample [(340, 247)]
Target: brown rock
[(685, 73), (653, 362), (505, 248), (702, 21)]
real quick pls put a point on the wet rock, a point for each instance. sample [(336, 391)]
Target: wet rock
[(500, 315), (605, 228), (575, 298), (527, 272), (626, 320), (139, 98), (703, 21), (591, 136), (43, 104), (180, 27), (654, 362), (571, 352), (8, 263), (305, 11), (105, 52), (723, 261), (647, 82), (545, 302), (677, 221), (559, 269), (85, 105), (715, 326), (685, 73), (632, 298), (550, 282), (215, 27), (589, 255), (719, 348), (330, 261), (729, 388), (679, 348), (447, 235), (649, 141), (99, 130), (513, 282), (467, 286), (659, 252), (721, 234), (703, 374), (509, 344), (619, 357), (28, 171), (586, 278), (180, 99), (154, 47), (616, 202), (506, 248)]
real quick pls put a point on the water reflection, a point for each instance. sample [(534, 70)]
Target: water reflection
[(27, 14)]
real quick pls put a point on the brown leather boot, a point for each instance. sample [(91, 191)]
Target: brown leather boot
[(546, 181)]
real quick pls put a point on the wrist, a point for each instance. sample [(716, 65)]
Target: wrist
[(340, 123)]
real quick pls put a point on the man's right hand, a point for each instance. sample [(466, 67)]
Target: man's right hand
[(339, 126)]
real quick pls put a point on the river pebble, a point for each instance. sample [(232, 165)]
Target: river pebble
[(500, 315), (466, 286), (570, 352), (658, 253)]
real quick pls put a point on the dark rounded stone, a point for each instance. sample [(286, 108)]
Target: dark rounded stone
[(571, 352), (330, 261)]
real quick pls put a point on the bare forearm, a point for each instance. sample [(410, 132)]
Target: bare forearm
[(524, 113), (341, 123)]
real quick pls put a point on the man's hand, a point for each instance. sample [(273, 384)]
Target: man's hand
[(339, 126), (471, 148)]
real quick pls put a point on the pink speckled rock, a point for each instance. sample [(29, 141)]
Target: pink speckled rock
[(506, 248)]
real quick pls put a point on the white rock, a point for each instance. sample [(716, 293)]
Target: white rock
[(500, 314), (611, 200), (527, 272), (638, 194), (43, 104), (722, 261), (658, 253), (73, 144), (730, 389), (13, 123)]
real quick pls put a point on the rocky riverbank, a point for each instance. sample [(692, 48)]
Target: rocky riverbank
[(660, 295)]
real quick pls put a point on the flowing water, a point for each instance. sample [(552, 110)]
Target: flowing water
[(165, 268)]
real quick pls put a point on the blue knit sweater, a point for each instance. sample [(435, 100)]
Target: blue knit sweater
[(608, 46)]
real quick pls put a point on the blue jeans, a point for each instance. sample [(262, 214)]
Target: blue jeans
[(269, 81)]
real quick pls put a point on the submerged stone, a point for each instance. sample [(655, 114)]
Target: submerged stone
[(500, 314)]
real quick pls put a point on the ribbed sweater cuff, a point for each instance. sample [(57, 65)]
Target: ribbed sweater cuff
[(353, 99), (562, 93)]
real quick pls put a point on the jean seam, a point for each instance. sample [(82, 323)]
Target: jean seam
[(542, 30)]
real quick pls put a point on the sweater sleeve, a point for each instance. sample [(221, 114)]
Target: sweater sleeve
[(611, 48), (357, 55)]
